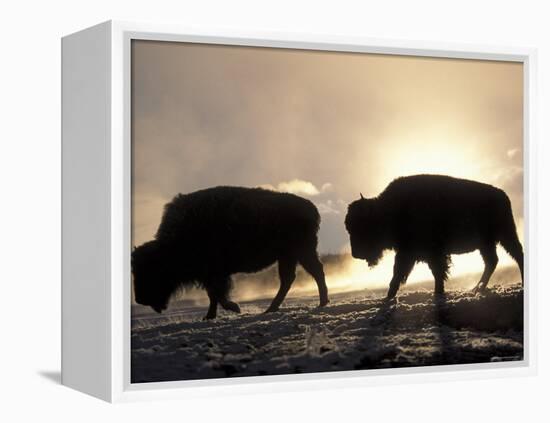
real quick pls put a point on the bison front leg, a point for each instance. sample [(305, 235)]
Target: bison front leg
[(439, 265), (223, 297), (402, 267), (230, 305), (218, 293), (287, 274), (213, 307)]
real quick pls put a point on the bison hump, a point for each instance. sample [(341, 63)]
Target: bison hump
[(227, 208)]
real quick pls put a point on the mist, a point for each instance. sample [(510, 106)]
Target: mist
[(324, 125), (346, 274)]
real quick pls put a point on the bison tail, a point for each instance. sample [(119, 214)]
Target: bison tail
[(509, 237)]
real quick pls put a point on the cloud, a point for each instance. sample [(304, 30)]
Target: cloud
[(328, 207), (327, 187), (299, 187)]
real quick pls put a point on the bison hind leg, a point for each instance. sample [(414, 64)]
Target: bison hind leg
[(287, 274), (490, 258), (508, 237), (314, 267), (513, 247)]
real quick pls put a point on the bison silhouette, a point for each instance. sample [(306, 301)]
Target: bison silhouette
[(206, 236), (427, 218)]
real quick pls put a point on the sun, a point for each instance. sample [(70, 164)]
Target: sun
[(436, 151)]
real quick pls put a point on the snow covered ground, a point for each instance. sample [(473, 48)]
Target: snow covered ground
[(357, 330)]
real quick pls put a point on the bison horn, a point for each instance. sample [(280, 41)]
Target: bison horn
[(361, 194)]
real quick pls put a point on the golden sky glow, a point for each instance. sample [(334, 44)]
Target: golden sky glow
[(322, 124)]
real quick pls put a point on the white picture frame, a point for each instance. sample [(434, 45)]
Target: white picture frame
[(96, 188)]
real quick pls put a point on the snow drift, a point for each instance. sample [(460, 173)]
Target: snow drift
[(355, 331)]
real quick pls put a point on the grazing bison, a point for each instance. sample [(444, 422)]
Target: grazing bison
[(429, 217), (206, 236)]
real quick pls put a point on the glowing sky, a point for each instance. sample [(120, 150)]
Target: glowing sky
[(324, 125)]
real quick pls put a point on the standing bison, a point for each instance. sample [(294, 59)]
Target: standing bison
[(429, 217), (206, 236)]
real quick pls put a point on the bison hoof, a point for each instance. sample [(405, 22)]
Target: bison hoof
[(272, 310), (440, 299), (231, 306), (209, 317), (323, 303), (478, 290), (391, 299)]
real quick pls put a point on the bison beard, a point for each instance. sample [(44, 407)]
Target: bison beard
[(206, 236), (429, 217)]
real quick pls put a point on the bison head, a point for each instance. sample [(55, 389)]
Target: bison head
[(366, 228), (152, 282)]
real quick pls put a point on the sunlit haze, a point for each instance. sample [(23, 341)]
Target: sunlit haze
[(324, 125)]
